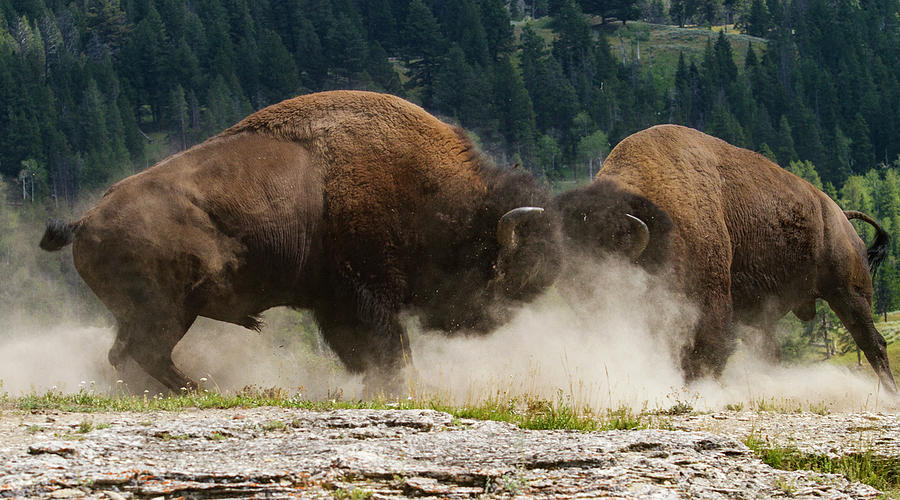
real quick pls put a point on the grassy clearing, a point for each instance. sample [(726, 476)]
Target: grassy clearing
[(865, 467), (660, 45), (657, 46), (527, 413)]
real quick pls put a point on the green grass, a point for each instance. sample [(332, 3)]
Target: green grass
[(879, 472), (527, 413), (660, 45)]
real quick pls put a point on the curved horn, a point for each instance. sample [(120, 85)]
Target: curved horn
[(643, 237), (506, 228)]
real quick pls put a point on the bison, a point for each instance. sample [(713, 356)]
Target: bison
[(746, 240), (353, 205)]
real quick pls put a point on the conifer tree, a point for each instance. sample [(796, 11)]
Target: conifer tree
[(862, 157), (346, 47), (497, 27), (423, 48), (279, 78), (380, 23), (757, 23), (462, 25), (513, 105)]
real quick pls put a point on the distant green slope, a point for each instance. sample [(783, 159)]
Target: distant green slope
[(659, 45)]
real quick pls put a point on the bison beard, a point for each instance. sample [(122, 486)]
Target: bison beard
[(350, 204), (746, 240)]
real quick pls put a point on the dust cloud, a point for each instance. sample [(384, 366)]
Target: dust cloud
[(620, 350), (220, 356), (617, 350)]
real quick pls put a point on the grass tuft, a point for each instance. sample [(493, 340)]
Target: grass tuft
[(865, 467), (525, 412)]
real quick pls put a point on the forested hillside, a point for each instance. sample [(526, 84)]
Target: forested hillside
[(93, 90)]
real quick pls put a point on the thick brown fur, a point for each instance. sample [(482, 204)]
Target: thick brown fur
[(350, 204), (746, 240)]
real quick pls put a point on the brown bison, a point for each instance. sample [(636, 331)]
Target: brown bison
[(746, 240), (350, 204)]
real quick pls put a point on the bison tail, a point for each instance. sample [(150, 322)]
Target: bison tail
[(879, 249), (57, 235)]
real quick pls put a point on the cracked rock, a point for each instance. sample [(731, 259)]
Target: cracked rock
[(277, 452)]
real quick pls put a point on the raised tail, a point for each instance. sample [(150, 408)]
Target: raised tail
[(57, 235), (879, 249)]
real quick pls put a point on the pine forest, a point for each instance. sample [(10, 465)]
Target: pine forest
[(94, 90)]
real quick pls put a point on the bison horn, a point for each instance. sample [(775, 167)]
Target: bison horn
[(506, 228), (643, 237)]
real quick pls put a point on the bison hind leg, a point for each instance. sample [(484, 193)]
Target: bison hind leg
[(149, 343), (854, 311)]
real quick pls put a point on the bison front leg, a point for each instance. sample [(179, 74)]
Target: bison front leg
[(854, 311), (713, 342), (379, 350)]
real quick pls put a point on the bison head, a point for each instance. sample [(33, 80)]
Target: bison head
[(605, 219), (512, 254), (528, 260)]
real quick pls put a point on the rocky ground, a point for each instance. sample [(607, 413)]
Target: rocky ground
[(273, 452)]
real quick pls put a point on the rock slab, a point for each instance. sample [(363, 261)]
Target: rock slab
[(274, 453)]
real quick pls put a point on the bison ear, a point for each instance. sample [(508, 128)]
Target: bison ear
[(516, 166), (642, 232), (506, 227)]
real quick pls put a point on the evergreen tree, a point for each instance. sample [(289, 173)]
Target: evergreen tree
[(553, 96), (513, 107), (574, 48), (758, 22), (623, 10), (862, 158), (380, 24), (184, 66), (423, 47), (460, 90), (682, 99), (462, 25), (310, 58), (723, 125), (144, 59), (724, 61), (178, 115), (220, 57), (682, 11), (784, 145), (280, 79), (381, 70), (709, 11), (107, 21), (346, 47), (497, 27)]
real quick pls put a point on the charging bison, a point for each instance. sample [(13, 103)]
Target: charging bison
[(745, 239), (350, 204)]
